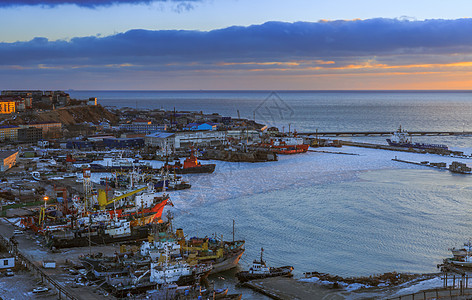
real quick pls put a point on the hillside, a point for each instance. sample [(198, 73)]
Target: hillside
[(68, 116)]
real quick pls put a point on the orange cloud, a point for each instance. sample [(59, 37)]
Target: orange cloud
[(276, 63)]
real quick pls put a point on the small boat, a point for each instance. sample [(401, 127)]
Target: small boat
[(462, 257), (40, 289), (260, 270)]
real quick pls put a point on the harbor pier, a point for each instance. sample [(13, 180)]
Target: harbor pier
[(382, 133)]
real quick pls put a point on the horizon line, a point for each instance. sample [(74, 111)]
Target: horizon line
[(249, 90)]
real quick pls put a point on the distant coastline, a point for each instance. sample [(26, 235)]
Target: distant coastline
[(281, 91)]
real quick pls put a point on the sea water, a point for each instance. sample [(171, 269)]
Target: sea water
[(336, 213)]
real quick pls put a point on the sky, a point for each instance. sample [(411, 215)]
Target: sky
[(235, 45)]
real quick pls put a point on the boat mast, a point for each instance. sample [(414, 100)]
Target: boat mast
[(233, 230)]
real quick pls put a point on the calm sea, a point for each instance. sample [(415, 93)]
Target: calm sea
[(308, 111), (341, 214)]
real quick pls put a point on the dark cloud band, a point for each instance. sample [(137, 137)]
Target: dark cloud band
[(84, 3), (341, 41)]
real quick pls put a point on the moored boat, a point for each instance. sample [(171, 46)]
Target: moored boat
[(462, 257), (400, 139), (286, 145), (259, 270), (191, 166)]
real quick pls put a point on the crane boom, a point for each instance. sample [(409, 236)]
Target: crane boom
[(104, 202)]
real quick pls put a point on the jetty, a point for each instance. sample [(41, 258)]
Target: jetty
[(383, 133), (284, 288), (451, 153), (455, 167)]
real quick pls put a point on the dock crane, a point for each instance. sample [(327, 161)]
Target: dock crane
[(103, 200)]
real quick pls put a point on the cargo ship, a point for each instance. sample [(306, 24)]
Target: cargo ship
[(400, 139)]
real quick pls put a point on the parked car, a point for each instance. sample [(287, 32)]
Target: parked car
[(9, 272), (40, 289), (15, 232)]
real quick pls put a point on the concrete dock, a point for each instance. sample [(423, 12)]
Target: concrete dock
[(29, 246), (382, 133), (284, 288)]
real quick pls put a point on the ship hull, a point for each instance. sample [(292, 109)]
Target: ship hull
[(282, 271), (82, 239), (287, 149), (416, 145), (98, 168), (182, 186), (209, 168), (229, 263)]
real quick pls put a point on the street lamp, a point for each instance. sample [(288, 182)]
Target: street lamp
[(46, 198)]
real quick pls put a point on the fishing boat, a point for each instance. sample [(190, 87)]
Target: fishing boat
[(169, 182), (180, 273), (119, 264), (222, 255), (286, 145), (259, 270), (109, 223), (191, 166), (157, 274), (400, 139), (463, 256), (97, 234)]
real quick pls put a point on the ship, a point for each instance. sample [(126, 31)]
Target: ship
[(170, 182), (286, 145), (222, 255), (128, 222), (461, 257), (191, 166), (156, 276), (117, 167), (260, 270), (99, 266), (135, 273), (99, 234), (400, 139)]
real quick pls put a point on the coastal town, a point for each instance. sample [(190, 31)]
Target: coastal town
[(86, 203)]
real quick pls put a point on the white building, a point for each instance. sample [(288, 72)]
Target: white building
[(162, 140), (199, 138), (7, 262), (249, 136), (178, 140)]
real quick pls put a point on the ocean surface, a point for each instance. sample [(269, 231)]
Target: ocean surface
[(309, 111), (341, 214)]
